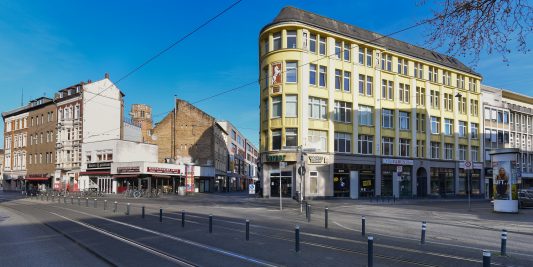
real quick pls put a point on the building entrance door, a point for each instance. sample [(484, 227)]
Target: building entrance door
[(421, 182), (286, 184), (341, 185)]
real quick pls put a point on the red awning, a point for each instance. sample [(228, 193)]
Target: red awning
[(95, 173), (125, 176), (37, 178)]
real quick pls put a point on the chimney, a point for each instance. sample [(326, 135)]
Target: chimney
[(106, 75)]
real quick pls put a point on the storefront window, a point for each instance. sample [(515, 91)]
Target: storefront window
[(366, 178), (442, 182), (386, 180), (341, 184), (405, 182), (474, 182), (286, 184)]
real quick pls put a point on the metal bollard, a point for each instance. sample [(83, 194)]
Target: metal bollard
[(503, 250), (105, 204), (210, 223), (183, 218), (95, 203), (142, 212), (42, 198), (115, 208), (307, 211), (486, 258), (423, 235), (128, 209), (363, 226), (86, 202), (297, 238), (53, 197), (46, 197), (71, 200), (247, 229), (310, 211), (370, 251), (160, 214), (79, 201), (326, 218)]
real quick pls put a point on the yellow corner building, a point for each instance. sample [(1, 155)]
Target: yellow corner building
[(363, 115)]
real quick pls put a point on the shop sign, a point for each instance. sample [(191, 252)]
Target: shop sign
[(132, 169), (317, 159), (163, 170), (397, 161), (275, 158), (99, 165)]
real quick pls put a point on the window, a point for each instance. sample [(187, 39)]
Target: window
[(266, 47), (312, 43), (313, 177), (474, 107), (77, 112), (404, 93), (317, 108), (404, 120), (420, 150), (291, 106), (403, 66), (387, 89), (448, 102), (462, 152), (505, 117), (368, 57), (434, 99), (276, 139), (233, 134), (369, 81), (369, 85), (474, 153), (386, 62), (448, 151), (435, 125), (472, 85), (462, 104), (343, 142), (460, 81), (420, 96), (338, 50), (312, 74), (346, 52), (446, 78), (433, 74), (322, 46), (322, 76), (387, 146), (435, 147), (365, 144), (405, 147), (448, 127), (291, 39), (361, 55), (462, 128), (291, 137), (265, 77), (292, 68), (276, 40), (343, 111), (338, 78), (420, 122), (347, 81), (388, 118), (365, 115), (276, 106), (419, 70), (317, 140)]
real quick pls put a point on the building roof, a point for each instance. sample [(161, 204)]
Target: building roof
[(509, 94), (292, 14), (32, 104)]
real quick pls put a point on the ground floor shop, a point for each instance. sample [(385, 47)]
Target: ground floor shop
[(356, 176), (14, 181)]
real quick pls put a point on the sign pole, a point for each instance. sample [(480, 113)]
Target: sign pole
[(469, 178), (280, 200)]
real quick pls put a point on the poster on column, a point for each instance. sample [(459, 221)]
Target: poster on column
[(189, 178), (502, 180)]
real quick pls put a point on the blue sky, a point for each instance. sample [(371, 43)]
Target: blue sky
[(48, 45)]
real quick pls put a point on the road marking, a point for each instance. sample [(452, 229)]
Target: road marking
[(189, 242)]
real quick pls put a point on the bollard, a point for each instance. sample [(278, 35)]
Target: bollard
[(486, 258), (503, 243), (58, 200), (105, 204), (115, 207), (183, 218), (363, 226), (128, 209), (423, 235), (79, 202), (210, 223), (52, 197), (310, 211), (46, 197), (370, 251), (326, 218), (95, 203), (160, 214), (71, 200), (142, 212), (247, 229), (307, 211), (297, 238), (86, 202), (42, 198)]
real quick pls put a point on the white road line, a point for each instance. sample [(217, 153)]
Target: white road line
[(196, 244)]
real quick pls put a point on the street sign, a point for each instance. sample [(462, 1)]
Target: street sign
[(301, 170), (251, 189), (468, 165)]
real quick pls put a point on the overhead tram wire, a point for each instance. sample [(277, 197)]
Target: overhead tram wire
[(169, 47), (371, 42)]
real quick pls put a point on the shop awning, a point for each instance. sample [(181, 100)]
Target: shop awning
[(125, 176), (95, 173), (37, 178), (160, 176)]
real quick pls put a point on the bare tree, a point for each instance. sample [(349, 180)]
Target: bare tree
[(469, 27)]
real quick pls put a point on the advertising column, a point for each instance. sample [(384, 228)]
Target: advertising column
[(505, 179)]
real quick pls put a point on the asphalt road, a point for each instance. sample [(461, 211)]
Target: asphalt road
[(455, 236)]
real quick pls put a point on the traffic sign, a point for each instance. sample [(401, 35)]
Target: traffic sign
[(251, 189), (468, 165), (301, 170)]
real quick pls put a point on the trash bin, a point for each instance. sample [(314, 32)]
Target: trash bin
[(181, 191)]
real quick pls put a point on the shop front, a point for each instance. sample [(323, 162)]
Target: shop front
[(279, 175), (470, 175), (14, 181), (38, 182), (96, 177), (396, 177), (354, 180), (442, 182)]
